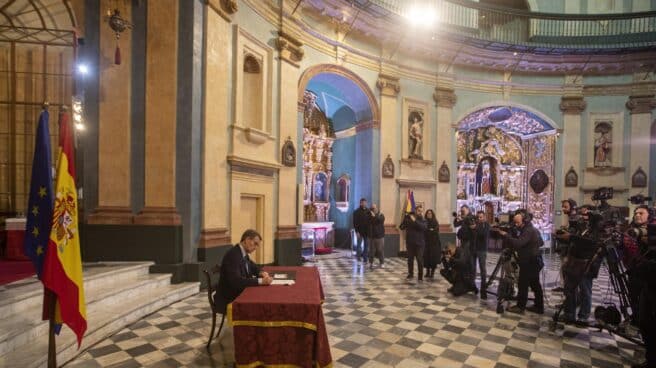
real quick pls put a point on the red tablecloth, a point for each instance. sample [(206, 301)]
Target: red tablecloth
[(281, 325)]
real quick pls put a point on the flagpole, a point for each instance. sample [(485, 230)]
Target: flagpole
[(52, 344)]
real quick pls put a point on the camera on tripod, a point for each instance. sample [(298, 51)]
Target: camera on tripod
[(602, 194), (639, 199)]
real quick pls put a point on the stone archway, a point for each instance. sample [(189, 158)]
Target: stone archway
[(505, 161)]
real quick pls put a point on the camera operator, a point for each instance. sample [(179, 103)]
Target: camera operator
[(458, 218), (462, 259), (640, 259), (562, 235), (415, 227), (581, 267), (527, 244), (479, 251)]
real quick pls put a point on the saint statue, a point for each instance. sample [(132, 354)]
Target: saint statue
[(415, 135), (602, 150)]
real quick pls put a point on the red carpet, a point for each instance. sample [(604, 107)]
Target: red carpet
[(326, 250), (11, 271)]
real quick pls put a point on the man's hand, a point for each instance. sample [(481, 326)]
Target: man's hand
[(502, 233), (264, 274), (266, 279), (412, 217)]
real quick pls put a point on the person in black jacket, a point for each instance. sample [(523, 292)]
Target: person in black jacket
[(433, 248), (415, 240), (377, 237), (479, 250), (362, 224), (238, 272), (527, 244), (464, 280)]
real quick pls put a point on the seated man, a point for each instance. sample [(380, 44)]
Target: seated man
[(238, 271)]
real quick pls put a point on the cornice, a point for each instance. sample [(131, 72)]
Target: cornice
[(388, 85), (445, 97), (225, 8), (290, 48), (572, 104)]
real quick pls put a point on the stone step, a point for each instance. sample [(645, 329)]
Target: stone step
[(21, 329), (103, 321), (16, 300)]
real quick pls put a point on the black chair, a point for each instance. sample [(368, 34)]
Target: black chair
[(208, 274)]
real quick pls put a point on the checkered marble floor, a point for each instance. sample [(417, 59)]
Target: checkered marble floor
[(378, 319)]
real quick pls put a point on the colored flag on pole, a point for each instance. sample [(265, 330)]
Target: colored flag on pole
[(410, 202), (39, 205), (63, 263)]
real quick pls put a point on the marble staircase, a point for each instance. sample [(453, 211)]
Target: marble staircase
[(117, 294)]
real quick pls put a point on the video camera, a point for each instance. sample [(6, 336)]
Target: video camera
[(639, 199), (602, 194)]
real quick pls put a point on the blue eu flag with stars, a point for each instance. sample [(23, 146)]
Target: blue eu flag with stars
[(39, 211)]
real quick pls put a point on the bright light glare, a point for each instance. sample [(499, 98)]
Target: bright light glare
[(83, 69), (79, 126), (424, 16)]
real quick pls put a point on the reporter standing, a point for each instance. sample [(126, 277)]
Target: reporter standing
[(479, 250), (377, 237), (527, 244), (415, 226), (433, 247)]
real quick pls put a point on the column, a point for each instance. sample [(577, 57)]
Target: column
[(445, 98), (287, 237), (572, 105), (161, 114), (114, 194), (389, 134), (215, 187), (640, 108)]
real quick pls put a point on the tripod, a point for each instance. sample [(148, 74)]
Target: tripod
[(608, 318), (506, 270)]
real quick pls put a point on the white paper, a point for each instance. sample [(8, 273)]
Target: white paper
[(282, 282), (279, 275)]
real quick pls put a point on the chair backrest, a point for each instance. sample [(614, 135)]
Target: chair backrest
[(216, 269)]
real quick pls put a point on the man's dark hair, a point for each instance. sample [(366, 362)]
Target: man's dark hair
[(572, 203), (250, 234), (363, 200), (480, 212)]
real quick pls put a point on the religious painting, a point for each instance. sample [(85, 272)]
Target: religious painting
[(539, 181), (388, 167), (342, 188), (443, 174), (603, 140), (415, 133), (319, 188), (639, 178), (571, 178), (486, 177)]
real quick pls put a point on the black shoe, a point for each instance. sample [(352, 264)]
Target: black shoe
[(409, 277), (558, 289), (516, 309), (483, 294), (535, 309)]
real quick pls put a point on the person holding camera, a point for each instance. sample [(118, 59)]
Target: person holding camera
[(479, 250), (377, 239), (458, 218), (415, 240), (562, 235), (462, 259), (527, 244), (362, 224)]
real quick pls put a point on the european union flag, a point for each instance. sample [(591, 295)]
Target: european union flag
[(39, 211)]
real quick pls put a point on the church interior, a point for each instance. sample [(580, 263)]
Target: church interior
[(195, 120)]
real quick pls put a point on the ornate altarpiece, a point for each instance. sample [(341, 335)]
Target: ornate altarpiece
[(318, 139), (498, 159)]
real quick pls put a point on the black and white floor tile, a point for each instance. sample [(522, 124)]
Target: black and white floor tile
[(375, 318)]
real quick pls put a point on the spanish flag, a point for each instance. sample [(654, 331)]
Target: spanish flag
[(62, 271), (410, 202)]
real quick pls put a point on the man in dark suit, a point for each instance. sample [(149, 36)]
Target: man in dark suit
[(238, 271)]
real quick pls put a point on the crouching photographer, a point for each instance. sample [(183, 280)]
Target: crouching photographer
[(457, 261), (527, 243)]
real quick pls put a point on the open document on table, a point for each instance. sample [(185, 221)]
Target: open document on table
[(283, 278)]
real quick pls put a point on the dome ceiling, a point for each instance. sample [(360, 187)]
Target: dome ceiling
[(38, 21), (362, 22)]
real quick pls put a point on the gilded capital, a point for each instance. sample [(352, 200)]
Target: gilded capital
[(388, 85), (225, 8), (641, 104), (291, 49), (229, 6), (445, 97), (572, 104)]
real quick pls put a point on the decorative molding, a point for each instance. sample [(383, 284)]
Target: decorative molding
[(445, 97), (415, 162), (572, 104), (214, 237), (371, 124), (158, 216), (290, 48), (641, 104), (225, 8), (288, 232), (256, 136), (391, 229), (639, 178), (590, 189), (248, 166), (111, 215), (388, 85), (605, 170), (413, 183)]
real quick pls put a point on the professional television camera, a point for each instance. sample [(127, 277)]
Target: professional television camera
[(602, 194)]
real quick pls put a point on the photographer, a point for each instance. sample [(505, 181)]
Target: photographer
[(377, 237), (458, 218), (415, 227), (562, 235), (462, 259), (527, 244), (479, 251), (580, 268)]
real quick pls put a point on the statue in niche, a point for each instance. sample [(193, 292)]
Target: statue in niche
[(571, 178), (415, 134), (319, 187), (443, 174), (289, 153), (388, 167), (602, 145), (510, 185), (486, 177)]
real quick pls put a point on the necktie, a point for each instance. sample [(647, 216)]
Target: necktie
[(246, 259)]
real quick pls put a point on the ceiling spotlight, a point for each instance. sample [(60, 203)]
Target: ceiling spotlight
[(421, 15), (515, 53), (83, 69)]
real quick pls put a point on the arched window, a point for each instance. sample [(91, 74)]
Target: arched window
[(342, 192), (252, 95)]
